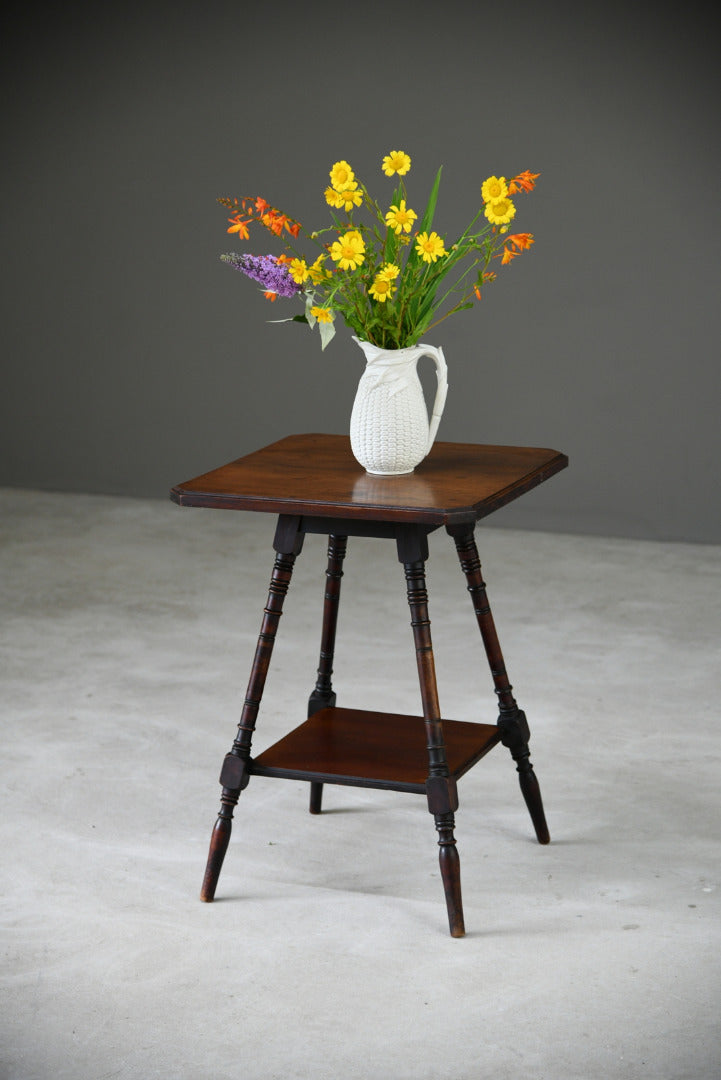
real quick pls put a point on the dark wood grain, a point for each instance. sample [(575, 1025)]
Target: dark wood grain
[(323, 695), (317, 475), (364, 748), (512, 723), (441, 786), (234, 774)]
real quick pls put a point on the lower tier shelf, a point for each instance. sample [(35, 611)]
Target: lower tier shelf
[(371, 749)]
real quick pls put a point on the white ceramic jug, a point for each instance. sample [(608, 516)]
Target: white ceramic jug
[(389, 429)]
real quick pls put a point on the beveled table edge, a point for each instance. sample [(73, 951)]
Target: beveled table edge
[(184, 495)]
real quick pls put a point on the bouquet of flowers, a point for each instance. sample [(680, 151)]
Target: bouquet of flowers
[(388, 274)]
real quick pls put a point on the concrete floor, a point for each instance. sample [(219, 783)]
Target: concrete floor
[(128, 631)]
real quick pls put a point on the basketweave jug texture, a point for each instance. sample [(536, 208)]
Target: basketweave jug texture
[(389, 430)]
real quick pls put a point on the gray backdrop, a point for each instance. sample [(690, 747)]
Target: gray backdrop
[(133, 359)]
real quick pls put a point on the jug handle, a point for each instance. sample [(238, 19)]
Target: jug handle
[(440, 399)]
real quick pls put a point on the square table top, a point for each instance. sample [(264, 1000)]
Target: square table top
[(317, 475)]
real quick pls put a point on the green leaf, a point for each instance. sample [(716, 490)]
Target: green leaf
[(391, 247), (327, 333), (391, 244), (413, 257), (431, 207)]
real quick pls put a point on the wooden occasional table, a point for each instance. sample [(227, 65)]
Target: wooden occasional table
[(314, 485)]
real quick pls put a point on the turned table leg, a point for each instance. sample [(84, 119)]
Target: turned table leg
[(440, 786), (234, 775), (512, 722), (323, 696)]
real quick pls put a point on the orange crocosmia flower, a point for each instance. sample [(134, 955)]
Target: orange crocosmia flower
[(261, 205), (521, 240), (273, 221), (238, 226), (477, 291), (514, 243), (525, 181), (276, 222), (271, 296)]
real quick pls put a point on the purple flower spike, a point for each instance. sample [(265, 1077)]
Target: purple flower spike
[(266, 270)]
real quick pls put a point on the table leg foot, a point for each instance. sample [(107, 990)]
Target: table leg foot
[(515, 735), (316, 798), (532, 795), (450, 865), (219, 839)]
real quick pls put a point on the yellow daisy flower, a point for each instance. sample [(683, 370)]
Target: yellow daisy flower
[(389, 272), (396, 162), (322, 314), (348, 251), (399, 218), (500, 212), (430, 247), (346, 199), (381, 289), (333, 198), (494, 188), (317, 272), (298, 270), (350, 197), (342, 176)]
